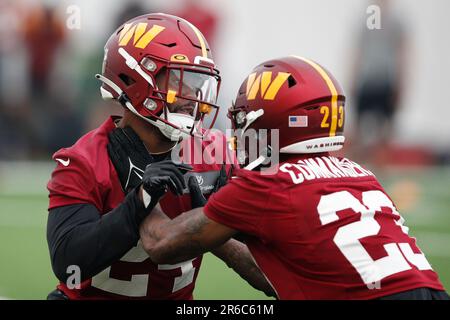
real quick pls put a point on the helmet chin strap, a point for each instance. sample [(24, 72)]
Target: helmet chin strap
[(265, 154), (182, 121), (251, 117)]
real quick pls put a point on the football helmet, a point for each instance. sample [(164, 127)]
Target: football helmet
[(298, 97), (160, 67)]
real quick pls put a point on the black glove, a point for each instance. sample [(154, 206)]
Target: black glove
[(197, 198), (129, 156), (159, 176)]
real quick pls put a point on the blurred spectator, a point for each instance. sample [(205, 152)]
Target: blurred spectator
[(12, 62), (44, 35), (13, 82), (52, 120), (378, 81), (36, 101)]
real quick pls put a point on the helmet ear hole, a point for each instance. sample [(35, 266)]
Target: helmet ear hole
[(291, 81), (127, 80)]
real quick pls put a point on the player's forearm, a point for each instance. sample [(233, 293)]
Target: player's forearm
[(77, 235), (163, 243), (238, 257), (185, 237)]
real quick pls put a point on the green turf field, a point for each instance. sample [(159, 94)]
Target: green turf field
[(423, 199)]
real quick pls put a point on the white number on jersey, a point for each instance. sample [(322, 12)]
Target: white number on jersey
[(137, 286), (347, 237)]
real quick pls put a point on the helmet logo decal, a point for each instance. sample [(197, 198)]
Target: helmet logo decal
[(141, 38), (179, 58), (269, 88)]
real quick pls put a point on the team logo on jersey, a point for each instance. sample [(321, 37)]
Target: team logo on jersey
[(64, 162), (199, 180), (134, 173), (206, 180), (263, 83), (141, 37)]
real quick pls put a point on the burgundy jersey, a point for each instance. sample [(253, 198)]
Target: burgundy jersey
[(323, 228), (85, 174)]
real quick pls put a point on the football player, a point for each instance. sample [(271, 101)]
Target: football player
[(160, 68), (319, 226)]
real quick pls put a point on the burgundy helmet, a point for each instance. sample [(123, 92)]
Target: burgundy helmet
[(160, 67), (298, 97)]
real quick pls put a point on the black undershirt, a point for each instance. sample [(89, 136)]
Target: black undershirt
[(79, 235)]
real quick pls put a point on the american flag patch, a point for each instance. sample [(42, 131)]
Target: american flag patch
[(298, 121)]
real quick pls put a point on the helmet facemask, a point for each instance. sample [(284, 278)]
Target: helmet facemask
[(186, 94), (246, 143)]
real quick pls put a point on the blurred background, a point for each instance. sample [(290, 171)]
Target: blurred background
[(391, 57)]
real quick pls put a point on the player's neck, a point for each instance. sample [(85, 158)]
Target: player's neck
[(153, 139)]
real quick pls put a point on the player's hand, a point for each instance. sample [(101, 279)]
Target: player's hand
[(197, 198), (129, 156), (160, 176)]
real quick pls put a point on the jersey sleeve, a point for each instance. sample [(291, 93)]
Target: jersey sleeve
[(72, 182), (238, 206)]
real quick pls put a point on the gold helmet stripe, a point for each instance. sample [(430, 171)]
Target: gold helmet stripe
[(200, 37), (333, 91)]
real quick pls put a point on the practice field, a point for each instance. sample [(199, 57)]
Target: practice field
[(422, 197)]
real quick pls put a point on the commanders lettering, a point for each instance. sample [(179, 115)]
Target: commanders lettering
[(322, 168)]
